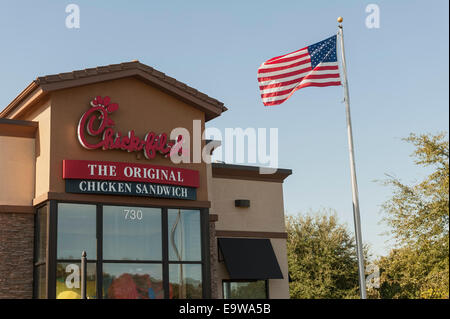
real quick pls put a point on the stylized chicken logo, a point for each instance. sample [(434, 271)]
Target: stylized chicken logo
[(107, 105)]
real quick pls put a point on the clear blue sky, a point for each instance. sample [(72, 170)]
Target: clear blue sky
[(398, 78)]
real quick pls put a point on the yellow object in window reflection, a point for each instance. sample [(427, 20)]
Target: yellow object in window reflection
[(68, 294)]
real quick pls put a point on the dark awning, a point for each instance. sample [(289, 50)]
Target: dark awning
[(250, 259)]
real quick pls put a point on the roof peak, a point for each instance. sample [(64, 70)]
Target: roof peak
[(134, 68)]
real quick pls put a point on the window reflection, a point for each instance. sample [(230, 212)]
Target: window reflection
[(132, 281), (68, 281), (40, 277), (131, 233), (184, 235), (131, 253), (41, 234), (76, 231), (245, 290), (185, 281), (40, 274)]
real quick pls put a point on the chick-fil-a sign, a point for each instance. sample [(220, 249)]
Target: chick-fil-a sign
[(97, 122)]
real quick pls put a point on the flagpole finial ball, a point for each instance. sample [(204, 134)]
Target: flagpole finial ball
[(340, 19)]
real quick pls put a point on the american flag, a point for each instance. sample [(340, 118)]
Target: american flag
[(315, 65)]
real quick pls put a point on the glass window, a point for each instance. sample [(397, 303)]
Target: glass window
[(185, 281), (245, 290), (132, 281), (40, 277), (68, 281), (41, 234), (184, 235), (76, 231), (130, 252), (131, 233)]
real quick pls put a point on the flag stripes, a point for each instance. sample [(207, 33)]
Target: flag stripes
[(315, 65)]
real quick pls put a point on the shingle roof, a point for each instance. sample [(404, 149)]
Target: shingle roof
[(211, 106)]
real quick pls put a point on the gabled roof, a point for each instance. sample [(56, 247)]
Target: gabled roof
[(48, 83)]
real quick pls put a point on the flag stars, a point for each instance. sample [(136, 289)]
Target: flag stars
[(323, 51)]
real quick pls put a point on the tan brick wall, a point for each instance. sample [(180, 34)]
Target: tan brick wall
[(16, 255)]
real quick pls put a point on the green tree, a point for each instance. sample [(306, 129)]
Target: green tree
[(418, 216), (321, 257)]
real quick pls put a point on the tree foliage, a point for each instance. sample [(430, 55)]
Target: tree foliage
[(321, 257), (418, 216)]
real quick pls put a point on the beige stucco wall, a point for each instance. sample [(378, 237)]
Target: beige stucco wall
[(265, 214), (42, 115), (279, 288), (16, 170), (266, 211)]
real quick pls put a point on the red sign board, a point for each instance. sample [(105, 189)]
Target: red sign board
[(119, 171)]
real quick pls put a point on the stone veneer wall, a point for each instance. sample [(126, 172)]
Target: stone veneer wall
[(16, 255)]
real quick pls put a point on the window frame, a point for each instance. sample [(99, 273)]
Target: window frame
[(51, 261), (44, 262)]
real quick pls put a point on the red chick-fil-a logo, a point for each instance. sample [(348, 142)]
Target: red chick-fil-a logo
[(97, 122)]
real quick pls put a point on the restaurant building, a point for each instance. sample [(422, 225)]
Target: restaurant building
[(86, 165)]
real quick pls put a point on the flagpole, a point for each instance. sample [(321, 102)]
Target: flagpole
[(356, 215)]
